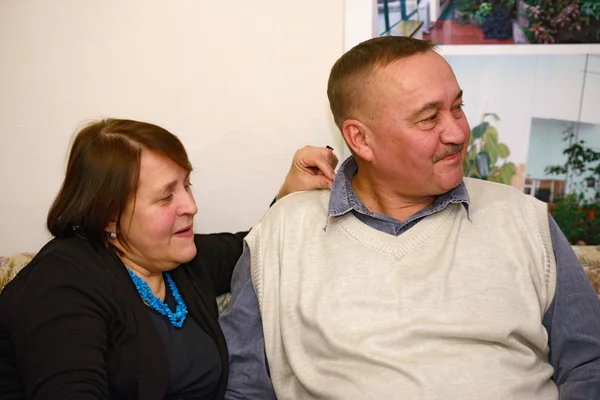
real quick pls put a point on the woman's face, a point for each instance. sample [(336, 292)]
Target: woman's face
[(158, 225)]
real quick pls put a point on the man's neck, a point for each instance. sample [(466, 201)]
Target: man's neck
[(377, 197)]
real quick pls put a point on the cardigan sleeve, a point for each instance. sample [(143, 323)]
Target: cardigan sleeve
[(59, 332), (218, 254)]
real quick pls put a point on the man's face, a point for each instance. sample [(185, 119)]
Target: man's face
[(419, 133)]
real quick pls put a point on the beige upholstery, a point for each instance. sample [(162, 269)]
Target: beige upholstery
[(11, 265), (589, 256)]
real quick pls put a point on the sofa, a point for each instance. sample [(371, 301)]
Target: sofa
[(589, 256), (11, 265)]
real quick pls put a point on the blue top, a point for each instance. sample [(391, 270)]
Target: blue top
[(572, 321), (193, 361)]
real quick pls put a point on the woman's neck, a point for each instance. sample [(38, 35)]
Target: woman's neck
[(154, 280)]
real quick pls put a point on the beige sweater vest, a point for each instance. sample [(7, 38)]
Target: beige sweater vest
[(450, 309)]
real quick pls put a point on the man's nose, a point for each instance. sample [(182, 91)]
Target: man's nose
[(452, 132)]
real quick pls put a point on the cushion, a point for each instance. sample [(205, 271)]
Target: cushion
[(11, 265)]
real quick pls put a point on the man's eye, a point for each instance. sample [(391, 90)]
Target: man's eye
[(432, 118), (167, 198), (458, 111)]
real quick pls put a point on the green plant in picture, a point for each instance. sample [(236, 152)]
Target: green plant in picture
[(590, 9), (575, 213), (558, 21), (582, 163), (487, 157), (482, 13), (590, 12), (466, 11), (476, 11), (569, 216)]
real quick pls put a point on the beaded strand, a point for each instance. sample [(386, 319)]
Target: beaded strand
[(177, 318)]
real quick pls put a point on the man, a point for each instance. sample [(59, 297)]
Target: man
[(407, 281)]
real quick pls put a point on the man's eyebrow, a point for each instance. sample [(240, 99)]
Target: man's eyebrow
[(432, 105)]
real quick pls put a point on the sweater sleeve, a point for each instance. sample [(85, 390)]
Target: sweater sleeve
[(59, 333), (573, 325), (242, 326), (217, 254)]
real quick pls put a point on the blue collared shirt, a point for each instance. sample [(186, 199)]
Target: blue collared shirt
[(572, 321)]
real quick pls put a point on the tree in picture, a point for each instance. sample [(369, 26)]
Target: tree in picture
[(575, 212), (582, 163), (487, 157)]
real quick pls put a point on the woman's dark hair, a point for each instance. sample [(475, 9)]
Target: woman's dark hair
[(103, 172)]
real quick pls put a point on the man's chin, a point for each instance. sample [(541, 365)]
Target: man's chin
[(450, 184)]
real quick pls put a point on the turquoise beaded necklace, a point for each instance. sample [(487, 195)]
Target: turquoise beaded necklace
[(177, 318)]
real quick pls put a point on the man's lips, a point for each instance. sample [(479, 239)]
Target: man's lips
[(451, 156)]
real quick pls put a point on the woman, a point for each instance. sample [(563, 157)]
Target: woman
[(121, 303)]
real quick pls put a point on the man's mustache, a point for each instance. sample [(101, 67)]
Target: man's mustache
[(448, 151)]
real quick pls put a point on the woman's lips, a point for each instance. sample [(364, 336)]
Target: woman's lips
[(186, 232)]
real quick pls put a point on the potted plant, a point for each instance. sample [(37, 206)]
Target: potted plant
[(498, 24), (487, 157), (558, 21), (468, 11), (590, 12)]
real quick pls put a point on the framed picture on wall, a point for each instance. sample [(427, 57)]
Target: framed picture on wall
[(492, 22)]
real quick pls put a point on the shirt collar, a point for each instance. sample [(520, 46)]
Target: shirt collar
[(343, 198)]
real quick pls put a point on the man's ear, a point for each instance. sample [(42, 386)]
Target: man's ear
[(358, 138)]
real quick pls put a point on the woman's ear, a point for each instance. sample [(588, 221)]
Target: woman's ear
[(358, 138), (111, 228)]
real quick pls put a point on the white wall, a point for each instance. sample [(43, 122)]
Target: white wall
[(361, 22), (522, 87), (243, 84)]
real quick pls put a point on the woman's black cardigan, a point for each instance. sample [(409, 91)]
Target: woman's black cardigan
[(81, 330)]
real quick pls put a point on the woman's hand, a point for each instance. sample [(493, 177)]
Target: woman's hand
[(312, 168)]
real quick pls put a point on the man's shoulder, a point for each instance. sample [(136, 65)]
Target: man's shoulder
[(302, 202), (298, 208), (484, 194), (474, 184), (479, 187)]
